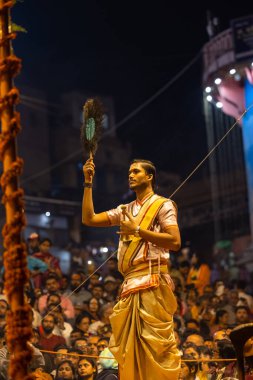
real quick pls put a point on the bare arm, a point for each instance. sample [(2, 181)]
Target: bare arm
[(88, 215), (169, 239)]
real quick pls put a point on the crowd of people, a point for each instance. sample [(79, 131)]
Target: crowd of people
[(71, 316)]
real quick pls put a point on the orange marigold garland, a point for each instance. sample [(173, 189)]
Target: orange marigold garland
[(19, 318)]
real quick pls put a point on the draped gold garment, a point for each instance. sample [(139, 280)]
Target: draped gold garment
[(143, 339)]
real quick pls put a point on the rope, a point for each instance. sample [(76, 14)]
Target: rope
[(69, 295), (211, 151)]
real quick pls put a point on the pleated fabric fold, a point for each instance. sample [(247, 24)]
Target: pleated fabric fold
[(143, 340)]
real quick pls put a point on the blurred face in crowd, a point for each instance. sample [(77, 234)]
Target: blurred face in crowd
[(74, 358), (84, 324), (48, 324), (242, 316), (97, 292), (209, 344), (191, 351), (33, 243), (110, 286), (53, 299), (75, 281), (112, 265), (65, 371), (101, 345), (82, 345), (196, 339), (93, 305), (184, 372), (52, 285), (85, 369), (106, 314), (233, 297), (45, 246), (92, 345), (94, 279), (60, 356), (74, 335)]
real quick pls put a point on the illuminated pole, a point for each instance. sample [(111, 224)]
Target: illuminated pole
[(19, 317)]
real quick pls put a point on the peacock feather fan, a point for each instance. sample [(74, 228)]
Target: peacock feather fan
[(92, 125)]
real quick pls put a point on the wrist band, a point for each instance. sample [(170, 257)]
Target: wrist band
[(88, 184), (137, 231)]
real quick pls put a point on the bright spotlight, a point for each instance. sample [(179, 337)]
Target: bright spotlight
[(232, 71), (217, 81), (209, 98), (208, 89), (48, 213), (219, 105), (89, 262)]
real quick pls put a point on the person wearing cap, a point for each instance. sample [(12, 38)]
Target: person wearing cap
[(143, 340), (33, 242), (111, 289)]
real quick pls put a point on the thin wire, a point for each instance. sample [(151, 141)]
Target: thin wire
[(210, 152), (84, 282), (120, 123)]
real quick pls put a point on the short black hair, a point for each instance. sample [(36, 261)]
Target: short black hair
[(149, 168)]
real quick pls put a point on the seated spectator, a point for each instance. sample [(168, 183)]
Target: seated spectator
[(110, 289), (75, 334), (191, 349), (53, 287), (92, 345), (83, 322), (65, 371), (97, 292), (75, 357), (93, 308), (112, 270), (61, 350), (48, 340), (221, 321), (62, 327), (199, 274), (242, 315), (102, 343), (33, 242), (109, 366), (77, 294), (51, 261), (86, 369), (81, 344), (225, 350), (189, 368), (105, 311)]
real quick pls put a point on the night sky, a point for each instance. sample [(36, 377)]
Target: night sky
[(128, 50)]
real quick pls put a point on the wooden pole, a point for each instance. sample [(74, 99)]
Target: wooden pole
[(16, 275)]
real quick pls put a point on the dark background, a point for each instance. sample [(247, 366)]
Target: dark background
[(128, 50)]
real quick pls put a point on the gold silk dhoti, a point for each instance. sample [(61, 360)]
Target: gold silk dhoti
[(143, 339)]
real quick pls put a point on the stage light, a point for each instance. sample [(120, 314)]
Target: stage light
[(217, 81), (208, 89), (209, 98), (48, 213), (89, 262), (232, 71), (219, 105)]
